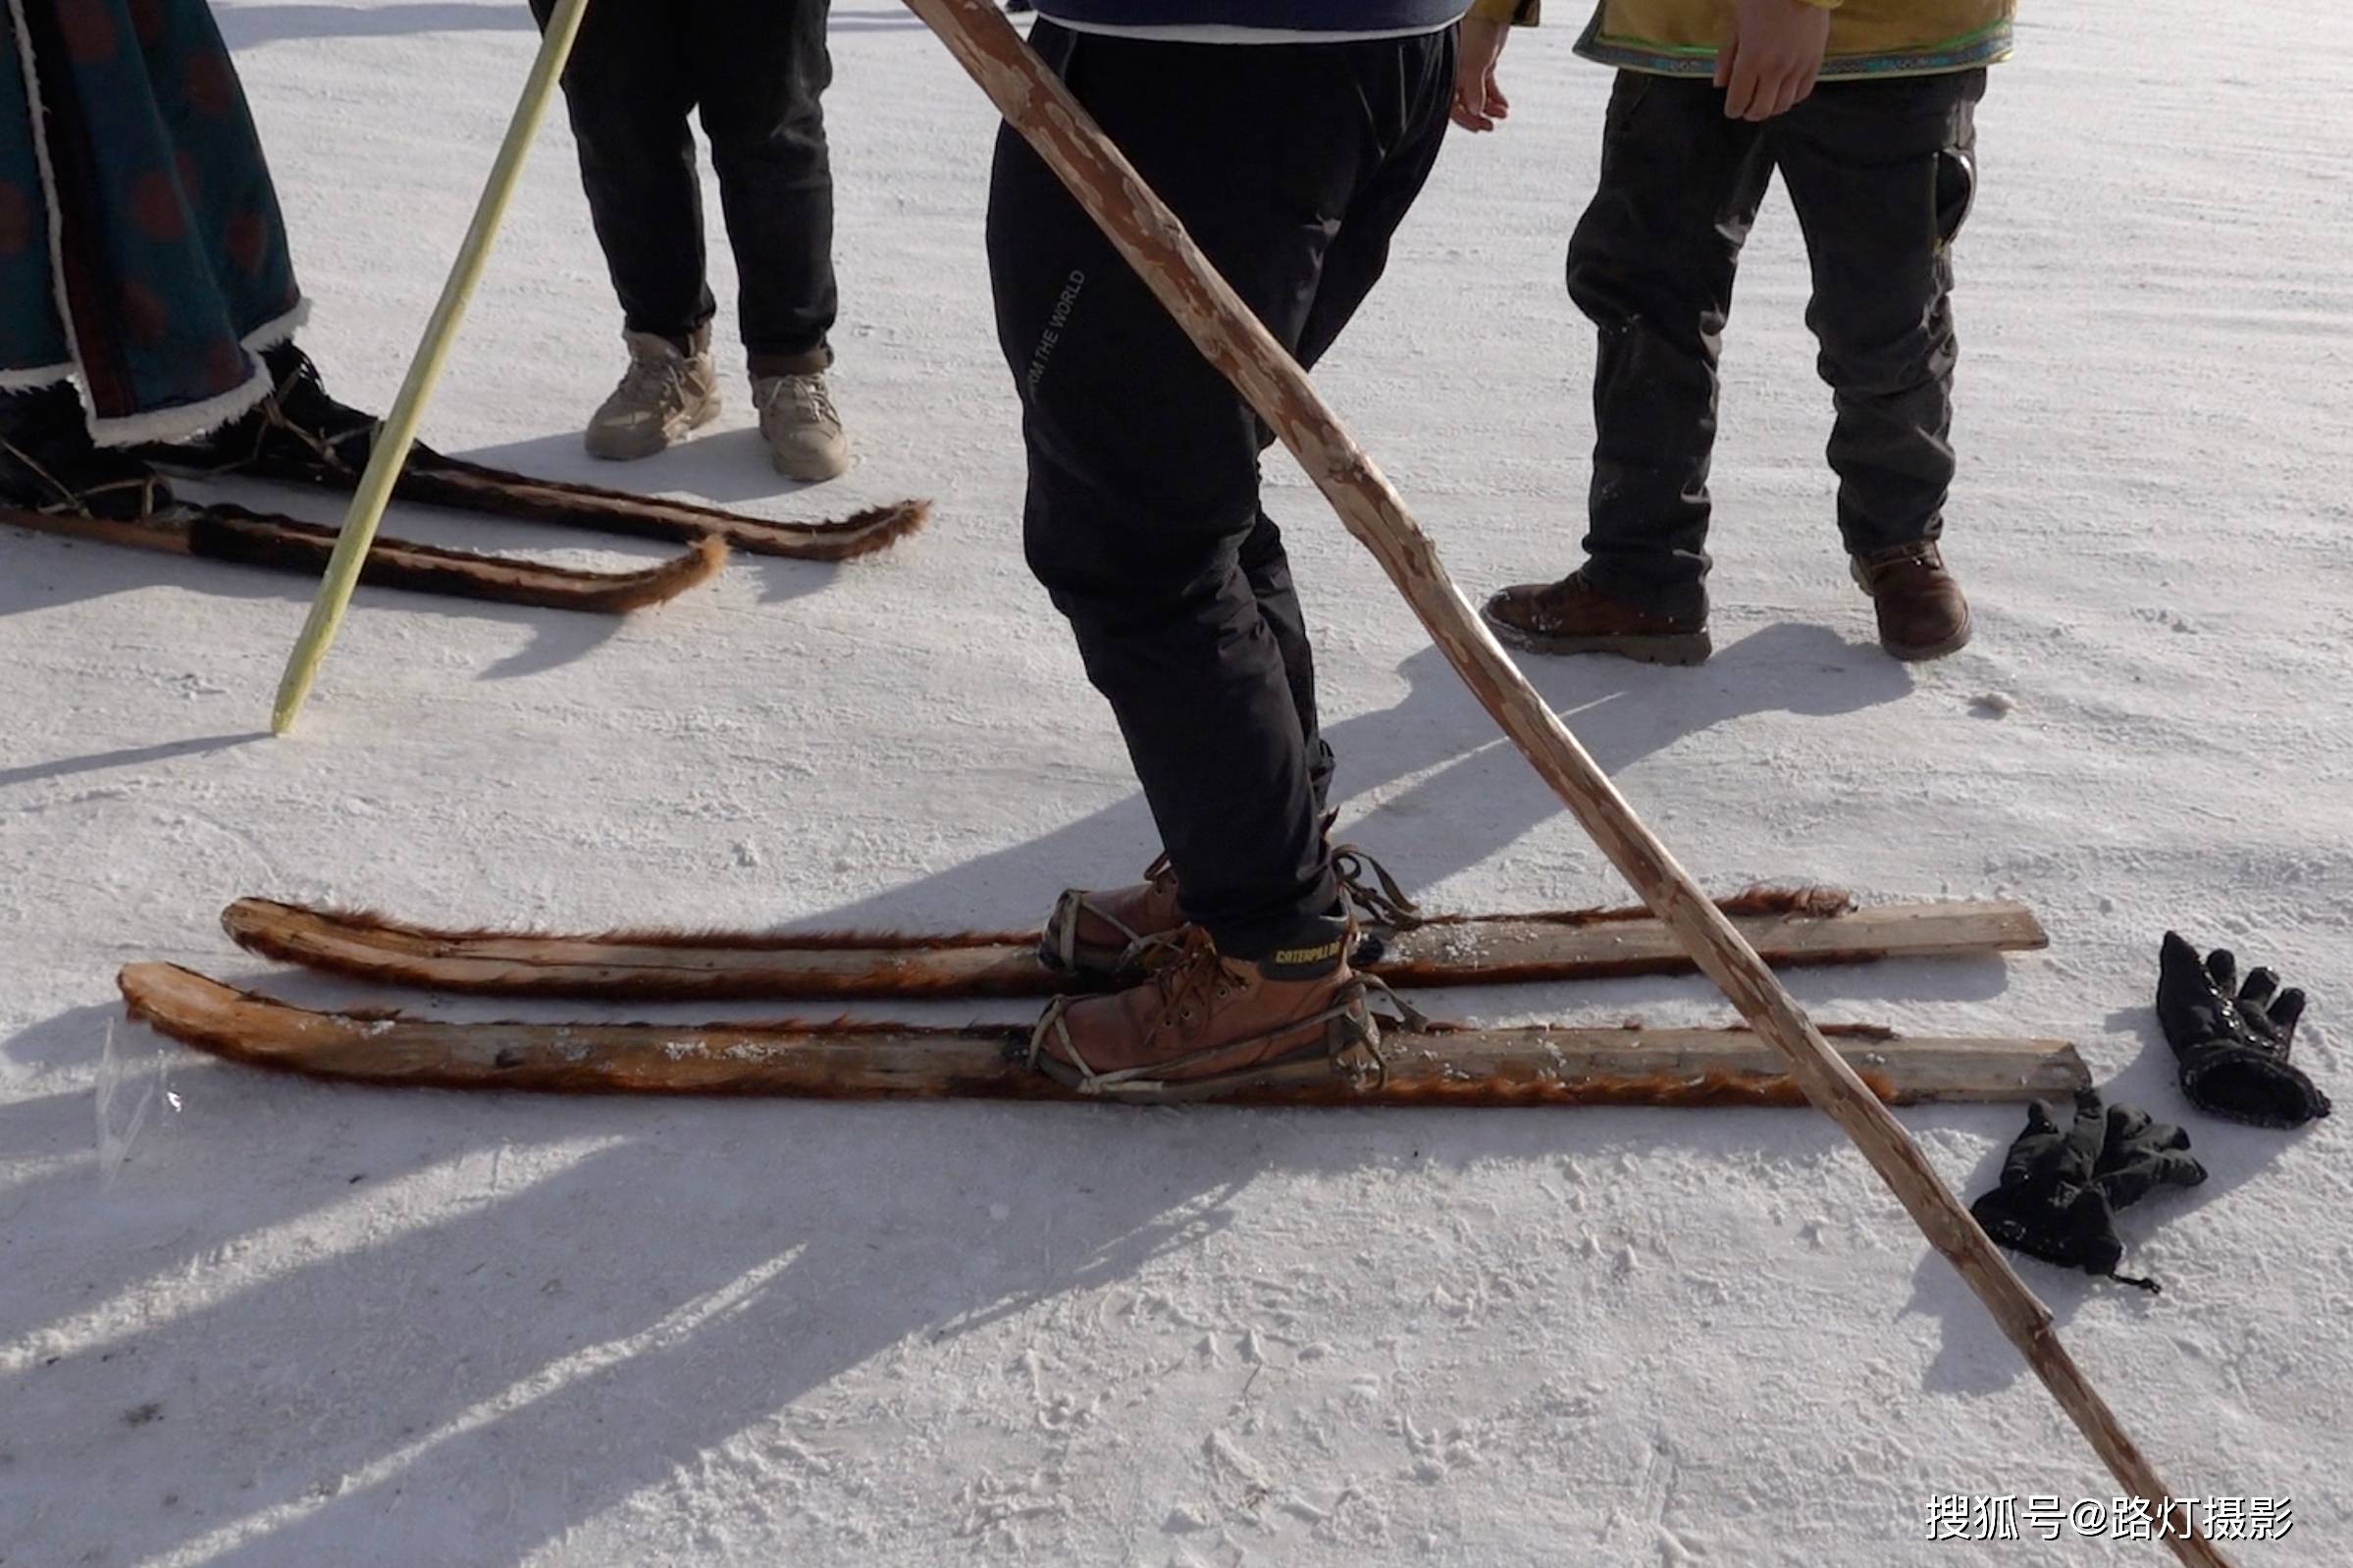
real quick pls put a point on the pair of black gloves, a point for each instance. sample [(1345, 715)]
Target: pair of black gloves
[(2060, 1187)]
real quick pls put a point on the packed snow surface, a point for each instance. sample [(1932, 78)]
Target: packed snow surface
[(249, 1321)]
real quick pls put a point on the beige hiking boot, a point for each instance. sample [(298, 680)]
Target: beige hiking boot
[(663, 397), (803, 433), (1205, 1025)]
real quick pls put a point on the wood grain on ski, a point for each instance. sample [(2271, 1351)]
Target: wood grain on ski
[(1442, 1066), (1590, 944), (226, 533)]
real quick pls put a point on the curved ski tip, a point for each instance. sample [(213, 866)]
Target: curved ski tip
[(242, 918), (659, 583), (152, 990), (1787, 898), (872, 531)]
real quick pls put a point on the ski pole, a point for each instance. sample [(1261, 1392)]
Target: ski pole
[(398, 432), (1154, 242)]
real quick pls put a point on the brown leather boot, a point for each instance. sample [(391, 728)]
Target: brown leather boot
[(1572, 616), (1922, 613), (1204, 1024), (1121, 934), (1115, 933)]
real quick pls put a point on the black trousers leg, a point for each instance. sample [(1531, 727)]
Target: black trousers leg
[(1882, 174), (761, 68), (1143, 462), (1352, 264), (628, 90), (1651, 265), (1267, 568)]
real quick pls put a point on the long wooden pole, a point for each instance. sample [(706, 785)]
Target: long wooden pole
[(1154, 242), (400, 429)]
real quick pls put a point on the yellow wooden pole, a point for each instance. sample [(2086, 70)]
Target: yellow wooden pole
[(400, 429)]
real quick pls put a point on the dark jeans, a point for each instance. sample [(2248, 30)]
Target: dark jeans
[(1291, 165), (1881, 174), (756, 69)]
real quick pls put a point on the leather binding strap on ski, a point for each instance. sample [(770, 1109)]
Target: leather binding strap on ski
[(225, 533), (1441, 1065), (433, 479), (1789, 926), (1152, 239)]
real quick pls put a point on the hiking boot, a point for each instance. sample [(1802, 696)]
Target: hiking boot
[(1205, 1025), (1921, 611), (803, 433), (48, 462), (1115, 934), (1572, 616), (1121, 934), (666, 394)]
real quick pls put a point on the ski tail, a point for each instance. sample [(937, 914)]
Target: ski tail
[(645, 966)]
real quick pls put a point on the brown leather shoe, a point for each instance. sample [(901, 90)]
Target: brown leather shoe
[(1205, 1025), (1119, 935), (1572, 616), (1115, 933), (1922, 613)]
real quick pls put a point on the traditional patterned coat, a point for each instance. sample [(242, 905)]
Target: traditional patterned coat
[(1868, 37), (140, 243)]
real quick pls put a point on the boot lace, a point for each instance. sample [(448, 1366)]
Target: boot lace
[(652, 381), (808, 399), (66, 501), (1923, 554), (1191, 986)]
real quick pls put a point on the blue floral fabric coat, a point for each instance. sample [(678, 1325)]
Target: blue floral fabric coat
[(141, 247)]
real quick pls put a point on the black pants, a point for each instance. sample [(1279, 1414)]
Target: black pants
[(756, 70), (1291, 165), (1881, 174)]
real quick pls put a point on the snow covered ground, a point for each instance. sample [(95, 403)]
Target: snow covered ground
[(270, 1323)]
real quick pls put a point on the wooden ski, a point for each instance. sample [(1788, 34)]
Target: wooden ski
[(435, 479), (1429, 1066), (1791, 928), (228, 532)]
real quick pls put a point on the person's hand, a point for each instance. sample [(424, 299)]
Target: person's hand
[(1478, 101), (1769, 64)]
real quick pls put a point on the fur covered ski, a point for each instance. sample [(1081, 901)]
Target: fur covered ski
[(1421, 1064), (1789, 927), (227, 533), (433, 479)]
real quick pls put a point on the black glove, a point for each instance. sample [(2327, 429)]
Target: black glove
[(2048, 1205), (2233, 1050), (2060, 1189), (2141, 1154)]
